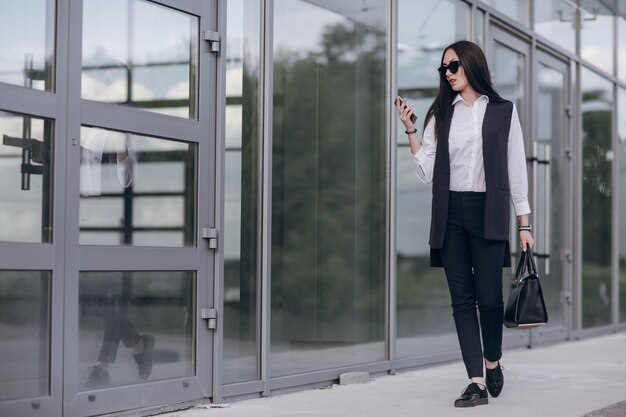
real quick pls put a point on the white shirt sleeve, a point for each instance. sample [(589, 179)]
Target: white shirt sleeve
[(518, 177), (127, 167), (424, 160)]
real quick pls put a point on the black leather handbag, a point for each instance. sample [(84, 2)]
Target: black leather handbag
[(525, 307)]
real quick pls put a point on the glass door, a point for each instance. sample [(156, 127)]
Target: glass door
[(551, 164), (510, 66), (31, 226), (140, 211)]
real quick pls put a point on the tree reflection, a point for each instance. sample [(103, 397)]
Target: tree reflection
[(328, 185)]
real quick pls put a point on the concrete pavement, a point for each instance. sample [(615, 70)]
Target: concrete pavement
[(569, 379)]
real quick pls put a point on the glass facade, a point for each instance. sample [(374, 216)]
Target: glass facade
[(136, 190), (248, 218), (621, 45), (518, 10), (597, 227), (137, 53), (422, 291), (328, 186), (554, 21), (146, 312), (24, 334), (27, 50), (596, 36), (550, 187), (242, 166), (25, 166)]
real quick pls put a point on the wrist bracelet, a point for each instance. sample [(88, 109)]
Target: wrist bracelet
[(527, 228), (410, 132)]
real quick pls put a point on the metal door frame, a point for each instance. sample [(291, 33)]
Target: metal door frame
[(550, 333), (522, 46), (203, 132), (45, 256)]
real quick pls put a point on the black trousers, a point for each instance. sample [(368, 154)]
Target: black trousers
[(473, 267)]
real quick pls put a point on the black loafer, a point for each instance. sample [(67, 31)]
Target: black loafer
[(144, 359), (495, 380), (471, 396)]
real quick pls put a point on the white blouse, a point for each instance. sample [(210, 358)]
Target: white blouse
[(465, 144)]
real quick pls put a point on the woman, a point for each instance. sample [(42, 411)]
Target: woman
[(473, 152)]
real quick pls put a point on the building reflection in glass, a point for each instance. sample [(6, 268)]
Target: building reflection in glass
[(328, 185), (136, 190), (140, 54)]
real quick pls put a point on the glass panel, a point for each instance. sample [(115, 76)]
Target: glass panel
[(596, 36), (134, 186), (621, 47), (24, 334), (422, 291), (241, 335), (508, 71), (479, 26), (515, 9), (508, 76), (597, 102), (151, 313), (27, 43), (548, 218), (553, 20), (420, 47), (140, 54), (621, 132), (328, 197), (25, 189)]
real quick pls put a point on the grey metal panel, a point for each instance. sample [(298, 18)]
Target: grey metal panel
[(135, 396), (416, 361), (31, 407), (615, 194), (543, 335), (188, 6), (139, 121), (595, 332), (267, 54), (243, 388), (392, 183), (72, 48), (515, 338), (31, 256), (577, 147), (109, 258), (211, 103), (326, 375), (28, 101)]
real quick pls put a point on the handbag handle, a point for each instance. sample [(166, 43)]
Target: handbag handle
[(531, 265), (526, 263)]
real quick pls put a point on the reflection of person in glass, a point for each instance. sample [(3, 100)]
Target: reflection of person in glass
[(118, 326), (473, 152)]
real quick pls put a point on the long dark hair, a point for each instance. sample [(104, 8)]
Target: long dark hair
[(474, 65)]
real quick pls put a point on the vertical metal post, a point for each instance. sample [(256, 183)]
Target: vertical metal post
[(615, 238), (267, 30), (392, 83)]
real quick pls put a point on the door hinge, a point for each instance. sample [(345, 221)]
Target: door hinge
[(213, 38), (568, 152), (210, 233), (210, 315), (568, 111)]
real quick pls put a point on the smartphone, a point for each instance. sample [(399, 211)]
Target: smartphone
[(401, 100)]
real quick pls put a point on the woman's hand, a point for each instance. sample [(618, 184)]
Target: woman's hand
[(404, 113), (525, 238)]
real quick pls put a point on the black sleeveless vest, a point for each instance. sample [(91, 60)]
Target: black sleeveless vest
[(495, 129)]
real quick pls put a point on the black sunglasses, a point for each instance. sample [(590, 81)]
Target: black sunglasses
[(452, 66)]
